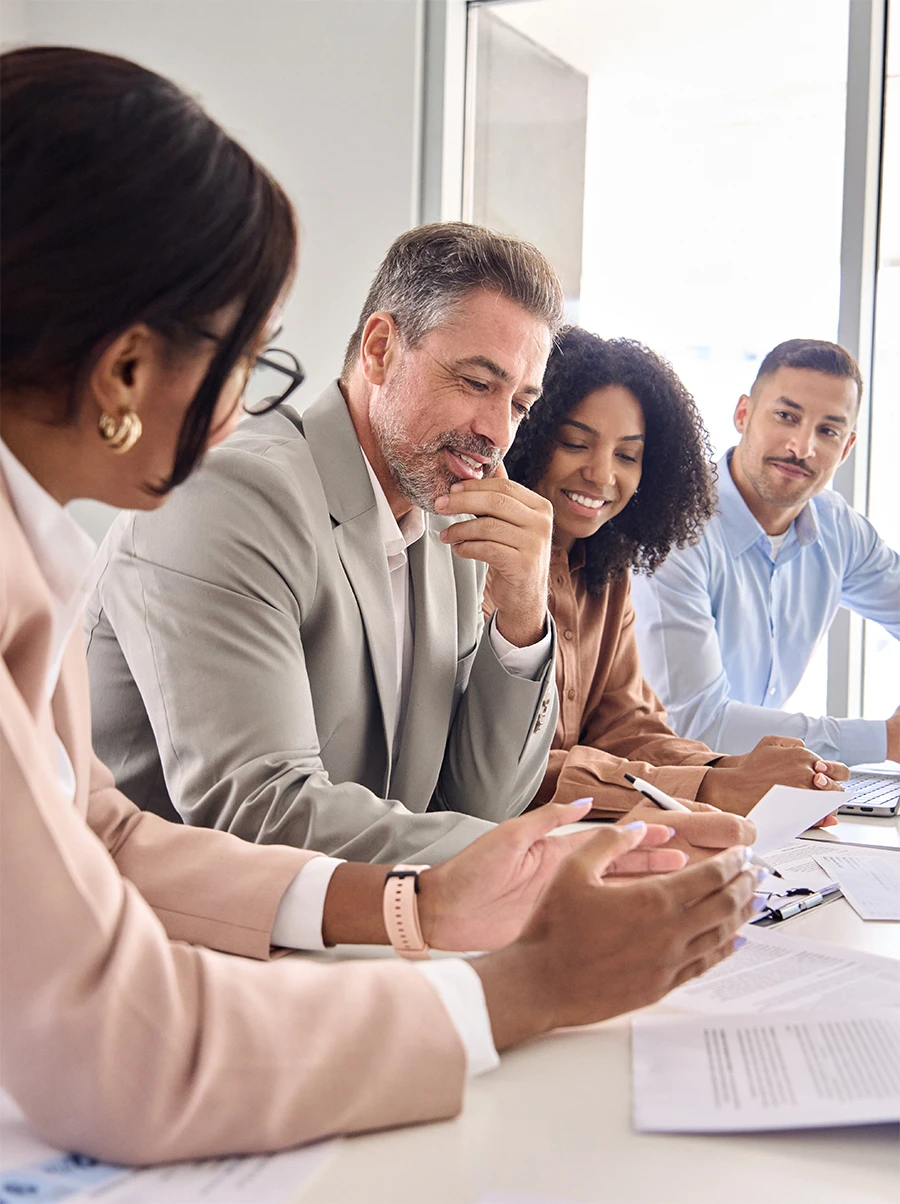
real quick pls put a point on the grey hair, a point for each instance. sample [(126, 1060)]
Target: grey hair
[(429, 270)]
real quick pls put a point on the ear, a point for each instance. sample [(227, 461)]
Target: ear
[(121, 377), (742, 412), (378, 346), (848, 447)]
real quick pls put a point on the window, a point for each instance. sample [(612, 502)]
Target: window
[(712, 212)]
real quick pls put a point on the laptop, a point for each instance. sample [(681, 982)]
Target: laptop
[(873, 789)]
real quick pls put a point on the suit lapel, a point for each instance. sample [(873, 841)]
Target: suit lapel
[(434, 664), (339, 460)]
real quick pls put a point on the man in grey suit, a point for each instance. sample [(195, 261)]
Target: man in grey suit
[(293, 649)]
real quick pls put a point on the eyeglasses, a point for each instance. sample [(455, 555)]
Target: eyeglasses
[(265, 388), (273, 378)]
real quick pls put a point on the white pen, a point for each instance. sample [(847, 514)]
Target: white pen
[(667, 803)]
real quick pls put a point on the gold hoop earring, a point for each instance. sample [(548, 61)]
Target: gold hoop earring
[(120, 434)]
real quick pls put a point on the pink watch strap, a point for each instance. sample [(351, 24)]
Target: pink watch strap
[(401, 911)]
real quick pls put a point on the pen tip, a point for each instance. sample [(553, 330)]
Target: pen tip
[(777, 874), (629, 778)]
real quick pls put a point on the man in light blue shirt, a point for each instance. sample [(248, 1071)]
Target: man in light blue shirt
[(726, 628)]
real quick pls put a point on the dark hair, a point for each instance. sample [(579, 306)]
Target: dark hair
[(124, 202), (815, 354), (428, 271), (676, 496)]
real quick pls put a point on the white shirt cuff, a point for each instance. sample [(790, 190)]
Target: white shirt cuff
[(462, 994), (521, 662), (298, 921)]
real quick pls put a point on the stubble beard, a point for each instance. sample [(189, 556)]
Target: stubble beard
[(419, 471)]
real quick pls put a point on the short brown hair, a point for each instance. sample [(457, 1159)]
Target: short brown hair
[(429, 270), (814, 354)]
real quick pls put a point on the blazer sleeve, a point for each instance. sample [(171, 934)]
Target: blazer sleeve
[(500, 737), (121, 1043), (206, 887)]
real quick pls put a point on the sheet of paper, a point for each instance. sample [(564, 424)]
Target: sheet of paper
[(870, 881), (45, 1174), (774, 973), (739, 1073), (786, 811), (798, 866)]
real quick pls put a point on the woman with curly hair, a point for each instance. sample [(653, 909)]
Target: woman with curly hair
[(616, 443)]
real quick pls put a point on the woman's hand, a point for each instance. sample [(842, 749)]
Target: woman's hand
[(700, 834), (738, 783), (590, 952), (482, 897)]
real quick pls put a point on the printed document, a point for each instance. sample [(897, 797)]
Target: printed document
[(33, 1170), (870, 881), (775, 973), (798, 866), (787, 1071)]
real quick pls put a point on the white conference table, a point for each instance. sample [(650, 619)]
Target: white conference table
[(552, 1126)]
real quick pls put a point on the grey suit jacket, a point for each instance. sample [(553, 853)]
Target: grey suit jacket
[(242, 662)]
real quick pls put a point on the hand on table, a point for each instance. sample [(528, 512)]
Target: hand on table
[(483, 896), (738, 783), (510, 532), (590, 952)]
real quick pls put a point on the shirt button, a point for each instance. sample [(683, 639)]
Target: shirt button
[(568, 635), (570, 693), (772, 691)]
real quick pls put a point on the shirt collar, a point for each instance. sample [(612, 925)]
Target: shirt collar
[(740, 527), (396, 537), (63, 551), (571, 561)]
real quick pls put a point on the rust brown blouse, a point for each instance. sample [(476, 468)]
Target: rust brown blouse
[(610, 721)]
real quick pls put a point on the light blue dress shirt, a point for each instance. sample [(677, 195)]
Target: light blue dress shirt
[(725, 632)]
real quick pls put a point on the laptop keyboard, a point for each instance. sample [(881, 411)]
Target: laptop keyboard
[(867, 790)]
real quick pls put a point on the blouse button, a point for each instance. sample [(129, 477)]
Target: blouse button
[(570, 694), (568, 635)]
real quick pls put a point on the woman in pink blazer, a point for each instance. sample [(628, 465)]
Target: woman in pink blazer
[(144, 254)]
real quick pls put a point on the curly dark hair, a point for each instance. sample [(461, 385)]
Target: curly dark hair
[(676, 496)]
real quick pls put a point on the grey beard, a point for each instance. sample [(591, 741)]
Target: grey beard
[(418, 473)]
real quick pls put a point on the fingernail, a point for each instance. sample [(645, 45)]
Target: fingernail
[(820, 766), (740, 942), (761, 873), (579, 802), (821, 780), (759, 904), (748, 855), (440, 503), (635, 824), (671, 832), (457, 488)]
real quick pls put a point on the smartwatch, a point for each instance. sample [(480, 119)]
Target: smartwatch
[(401, 911)]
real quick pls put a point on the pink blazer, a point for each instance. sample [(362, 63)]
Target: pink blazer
[(122, 1033)]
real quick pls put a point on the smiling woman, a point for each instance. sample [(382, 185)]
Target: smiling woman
[(617, 446), (651, 432)]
